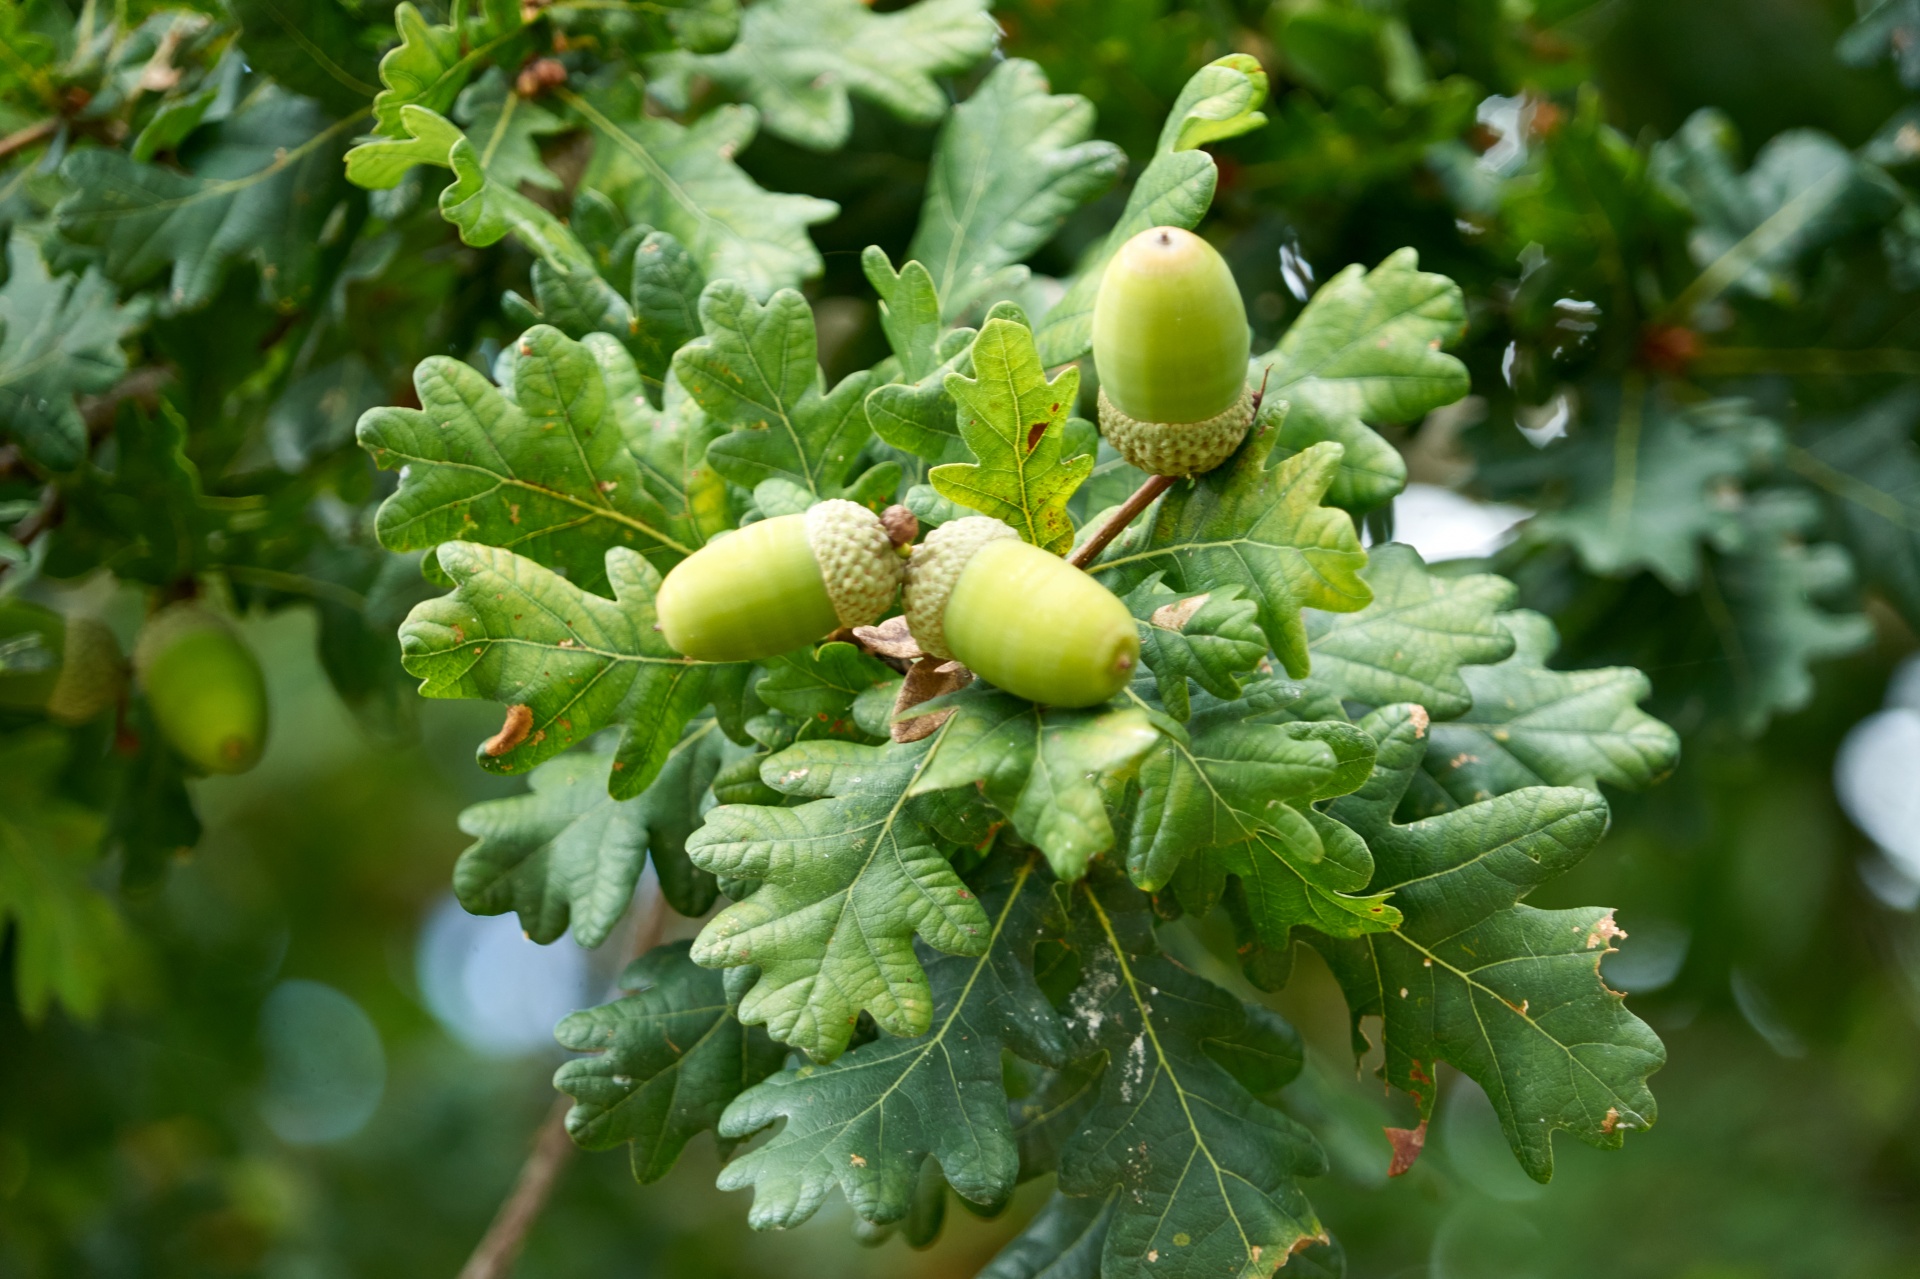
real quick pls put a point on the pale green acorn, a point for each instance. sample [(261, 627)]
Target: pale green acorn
[(777, 584), (1170, 342), (204, 687), (1020, 618)]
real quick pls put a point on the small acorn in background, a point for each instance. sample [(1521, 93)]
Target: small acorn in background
[(204, 687), (93, 674), (1022, 619), (1170, 343), (770, 587)]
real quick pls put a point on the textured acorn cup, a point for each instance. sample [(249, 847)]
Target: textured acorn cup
[(1170, 342), (773, 586), (1020, 618), (204, 688)]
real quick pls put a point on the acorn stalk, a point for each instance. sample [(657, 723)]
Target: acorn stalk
[(1170, 343), (778, 584), (1019, 617)]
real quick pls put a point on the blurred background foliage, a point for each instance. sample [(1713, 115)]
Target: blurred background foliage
[(289, 1054)]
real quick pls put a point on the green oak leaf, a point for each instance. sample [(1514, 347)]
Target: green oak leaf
[(1410, 644), (909, 313), (1883, 31), (1214, 639), (480, 204), (312, 47), (1014, 420), (566, 852), (1366, 349), (1010, 164), (1509, 995), (667, 1061), (1772, 582), (1215, 1191), (1050, 1109), (912, 410), (505, 129), (757, 371), (430, 66), (682, 179), (1263, 530), (1222, 100), (1750, 229), (261, 189), (868, 1120), (1645, 494), (1530, 726), (518, 633), (1065, 1240), (799, 60), (1231, 781), (1046, 768), (1870, 466), (59, 338), (846, 882), (67, 938), (817, 688), (541, 466)]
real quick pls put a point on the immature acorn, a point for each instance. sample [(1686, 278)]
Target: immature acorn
[(1170, 342), (1020, 618), (773, 586), (204, 687)]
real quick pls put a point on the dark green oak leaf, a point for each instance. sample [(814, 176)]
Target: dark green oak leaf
[(1065, 1240), (817, 688), (757, 371), (1645, 494), (1263, 530), (682, 179), (1803, 190), (1410, 644), (505, 130), (1214, 639), (1014, 420), (1366, 350), (1048, 769), (798, 61), (59, 338), (1869, 466), (1221, 100), (1531, 726), (541, 466), (568, 853), (312, 47), (846, 882), (868, 1120), (1207, 1174), (260, 189), (1011, 163), (667, 1061), (1507, 994), (518, 633)]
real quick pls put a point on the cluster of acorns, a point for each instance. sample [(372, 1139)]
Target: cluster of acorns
[(1170, 343)]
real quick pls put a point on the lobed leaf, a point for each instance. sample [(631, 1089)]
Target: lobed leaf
[(59, 338)]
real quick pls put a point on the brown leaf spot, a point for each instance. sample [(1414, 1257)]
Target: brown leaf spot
[(1604, 932), (857, 1161), (1407, 1144), (1174, 617), (1612, 1121), (513, 732), (459, 634), (1462, 760), (1420, 721), (1034, 433)]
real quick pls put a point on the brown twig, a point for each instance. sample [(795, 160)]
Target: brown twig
[(553, 1149), (21, 139), (1117, 522)]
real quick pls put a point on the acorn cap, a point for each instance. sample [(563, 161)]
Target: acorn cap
[(92, 673), (1177, 448), (857, 559), (1170, 334), (936, 565)]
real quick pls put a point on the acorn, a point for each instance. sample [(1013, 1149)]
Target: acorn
[(204, 687), (1019, 617), (92, 672), (1170, 342), (777, 584)]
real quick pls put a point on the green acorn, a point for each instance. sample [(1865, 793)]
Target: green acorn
[(1170, 342), (204, 688), (92, 672), (773, 586), (1018, 617)]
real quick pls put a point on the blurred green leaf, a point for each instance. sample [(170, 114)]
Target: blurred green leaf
[(59, 338)]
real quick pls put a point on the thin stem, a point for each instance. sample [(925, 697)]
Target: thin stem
[(21, 139), (553, 1149), (1142, 498)]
